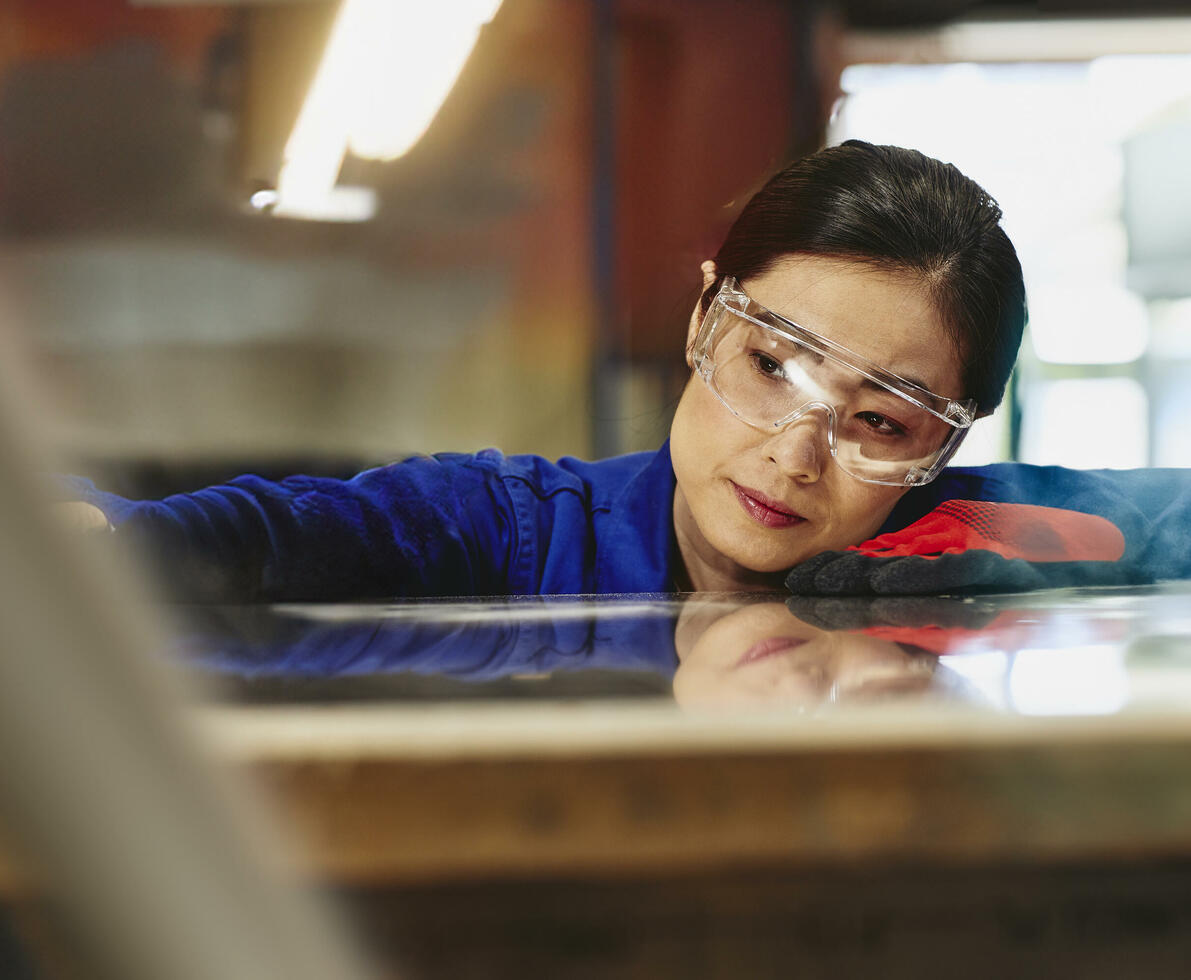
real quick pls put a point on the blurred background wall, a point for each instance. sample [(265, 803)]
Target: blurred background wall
[(523, 275)]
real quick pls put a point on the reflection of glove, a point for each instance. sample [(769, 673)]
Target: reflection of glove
[(966, 546), (931, 623), (866, 613)]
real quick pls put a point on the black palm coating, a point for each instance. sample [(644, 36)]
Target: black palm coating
[(969, 573)]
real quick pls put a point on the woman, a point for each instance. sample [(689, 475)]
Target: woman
[(865, 307), (891, 255)]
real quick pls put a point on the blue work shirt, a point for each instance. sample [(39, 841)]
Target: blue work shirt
[(443, 525), (490, 524)]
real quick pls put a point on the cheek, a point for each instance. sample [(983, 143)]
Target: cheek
[(705, 436), (862, 508), (697, 435)]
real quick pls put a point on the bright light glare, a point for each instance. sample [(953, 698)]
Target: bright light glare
[(1086, 423), (422, 65), (388, 66), (263, 199), (803, 382), (984, 670), (1134, 90), (342, 204), (1089, 680), (1061, 180), (1172, 328), (1084, 323), (985, 442)]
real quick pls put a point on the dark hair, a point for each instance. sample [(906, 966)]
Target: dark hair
[(904, 211)]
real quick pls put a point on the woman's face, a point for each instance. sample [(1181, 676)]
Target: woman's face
[(751, 504), (761, 655)]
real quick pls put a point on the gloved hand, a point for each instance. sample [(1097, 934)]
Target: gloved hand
[(967, 546)]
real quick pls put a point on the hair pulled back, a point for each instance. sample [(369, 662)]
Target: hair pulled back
[(906, 212)]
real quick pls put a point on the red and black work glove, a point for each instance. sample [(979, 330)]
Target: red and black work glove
[(972, 546)]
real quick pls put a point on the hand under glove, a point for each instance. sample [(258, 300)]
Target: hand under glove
[(970, 546)]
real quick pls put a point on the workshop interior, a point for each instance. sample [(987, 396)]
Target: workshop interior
[(319, 236)]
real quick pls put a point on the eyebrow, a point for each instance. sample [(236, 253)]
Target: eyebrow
[(870, 383), (819, 357), (865, 382)]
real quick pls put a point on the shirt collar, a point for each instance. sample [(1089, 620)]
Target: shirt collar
[(637, 552)]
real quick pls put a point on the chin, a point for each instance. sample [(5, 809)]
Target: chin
[(765, 562)]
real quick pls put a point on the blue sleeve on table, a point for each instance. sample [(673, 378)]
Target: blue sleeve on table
[(445, 525), (1151, 507), (422, 527)]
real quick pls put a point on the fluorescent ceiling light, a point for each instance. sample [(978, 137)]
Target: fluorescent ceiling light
[(1032, 39), (387, 68)]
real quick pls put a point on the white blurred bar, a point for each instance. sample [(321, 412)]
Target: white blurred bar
[(1021, 40)]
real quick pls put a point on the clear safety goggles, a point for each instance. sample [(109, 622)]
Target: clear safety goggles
[(770, 372)]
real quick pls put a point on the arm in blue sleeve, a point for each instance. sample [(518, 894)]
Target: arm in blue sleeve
[(1140, 534), (427, 526), (1151, 507)]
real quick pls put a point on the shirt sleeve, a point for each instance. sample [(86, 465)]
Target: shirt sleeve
[(1011, 528), (1151, 508), (426, 526)]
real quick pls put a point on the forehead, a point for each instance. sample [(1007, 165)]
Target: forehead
[(885, 316)]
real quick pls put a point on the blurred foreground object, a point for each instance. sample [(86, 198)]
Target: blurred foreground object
[(155, 871)]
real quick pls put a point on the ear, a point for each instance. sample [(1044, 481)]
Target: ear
[(709, 273)]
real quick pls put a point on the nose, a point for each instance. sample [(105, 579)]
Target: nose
[(799, 447)]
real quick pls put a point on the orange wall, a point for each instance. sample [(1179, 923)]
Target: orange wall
[(63, 28)]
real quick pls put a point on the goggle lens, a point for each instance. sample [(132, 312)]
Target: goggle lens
[(771, 377)]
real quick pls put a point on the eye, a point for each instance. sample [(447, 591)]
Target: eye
[(881, 424), (767, 365)]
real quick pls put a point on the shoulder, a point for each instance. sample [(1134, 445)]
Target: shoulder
[(1056, 486), (1121, 495), (582, 526), (598, 482)]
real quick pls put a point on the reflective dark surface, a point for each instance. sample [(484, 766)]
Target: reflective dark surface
[(1069, 652)]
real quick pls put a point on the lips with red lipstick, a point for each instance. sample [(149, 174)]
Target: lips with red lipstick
[(764, 649), (765, 510)]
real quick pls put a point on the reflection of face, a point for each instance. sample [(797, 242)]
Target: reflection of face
[(761, 655), (751, 504)]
